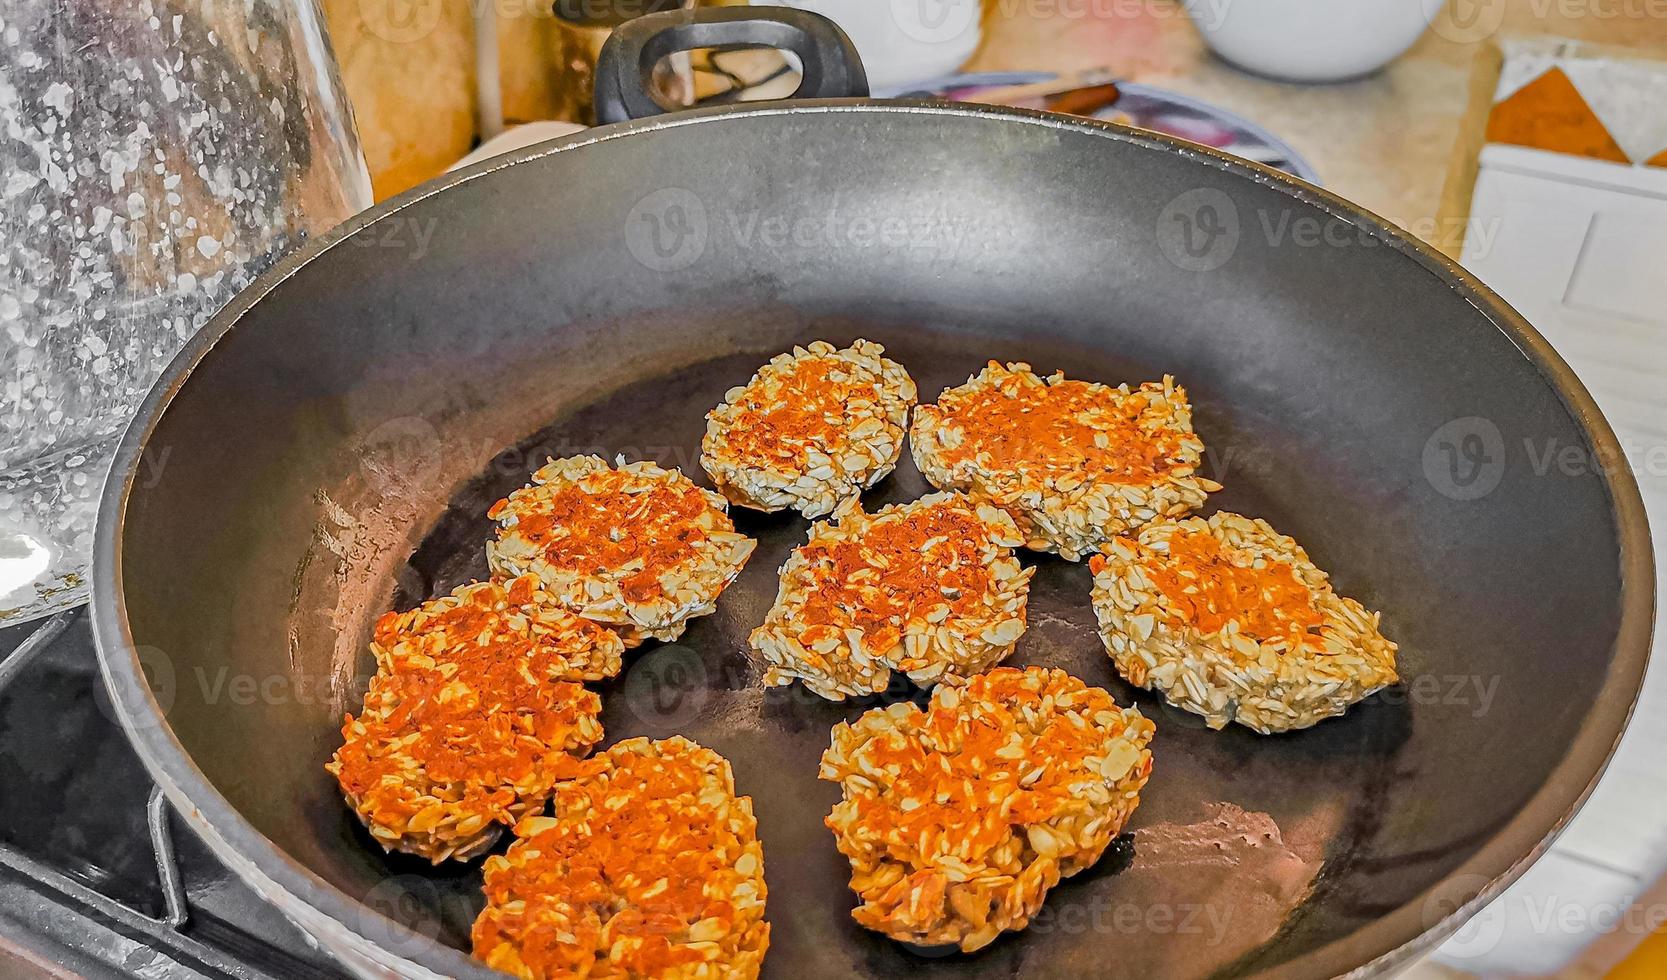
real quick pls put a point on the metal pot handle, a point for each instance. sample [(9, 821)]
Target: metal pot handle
[(831, 67)]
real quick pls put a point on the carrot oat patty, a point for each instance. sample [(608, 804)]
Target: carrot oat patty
[(958, 819), (930, 588), (811, 430), (651, 867), (1230, 620), (1075, 463), (475, 713), (638, 548)]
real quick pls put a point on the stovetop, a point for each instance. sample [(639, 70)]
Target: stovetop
[(98, 876)]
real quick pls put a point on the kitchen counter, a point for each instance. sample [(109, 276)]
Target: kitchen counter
[(1386, 142)]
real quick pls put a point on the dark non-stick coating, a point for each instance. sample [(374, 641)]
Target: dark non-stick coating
[(333, 455)]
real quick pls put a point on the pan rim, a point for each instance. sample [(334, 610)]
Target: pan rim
[(1373, 949)]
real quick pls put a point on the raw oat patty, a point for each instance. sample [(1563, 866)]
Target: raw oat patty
[(930, 588), (811, 430), (475, 713), (651, 867), (1230, 620), (958, 819), (636, 548), (1075, 463)]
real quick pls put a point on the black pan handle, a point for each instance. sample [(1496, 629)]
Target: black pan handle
[(832, 69)]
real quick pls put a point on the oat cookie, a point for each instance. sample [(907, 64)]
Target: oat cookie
[(930, 588), (635, 547), (813, 429), (476, 711), (1074, 463), (958, 819), (650, 867), (1229, 619)]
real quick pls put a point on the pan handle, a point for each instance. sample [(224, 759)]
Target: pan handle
[(831, 67)]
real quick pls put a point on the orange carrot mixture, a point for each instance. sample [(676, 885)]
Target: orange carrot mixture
[(1206, 588), (899, 570), (593, 530), (1045, 426), (650, 868)]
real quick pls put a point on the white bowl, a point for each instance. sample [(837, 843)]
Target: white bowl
[(1312, 40), (903, 42)]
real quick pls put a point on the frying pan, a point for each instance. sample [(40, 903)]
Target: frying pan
[(327, 447)]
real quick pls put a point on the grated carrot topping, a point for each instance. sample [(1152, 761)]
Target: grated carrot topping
[(898, 570), (1206, 588), (472, 701), (807, 411), (609, 521), (966, 777), (1065, 427), (649, 865)]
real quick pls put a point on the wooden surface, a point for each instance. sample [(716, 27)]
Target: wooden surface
[(409, 68), (1388, 141)]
